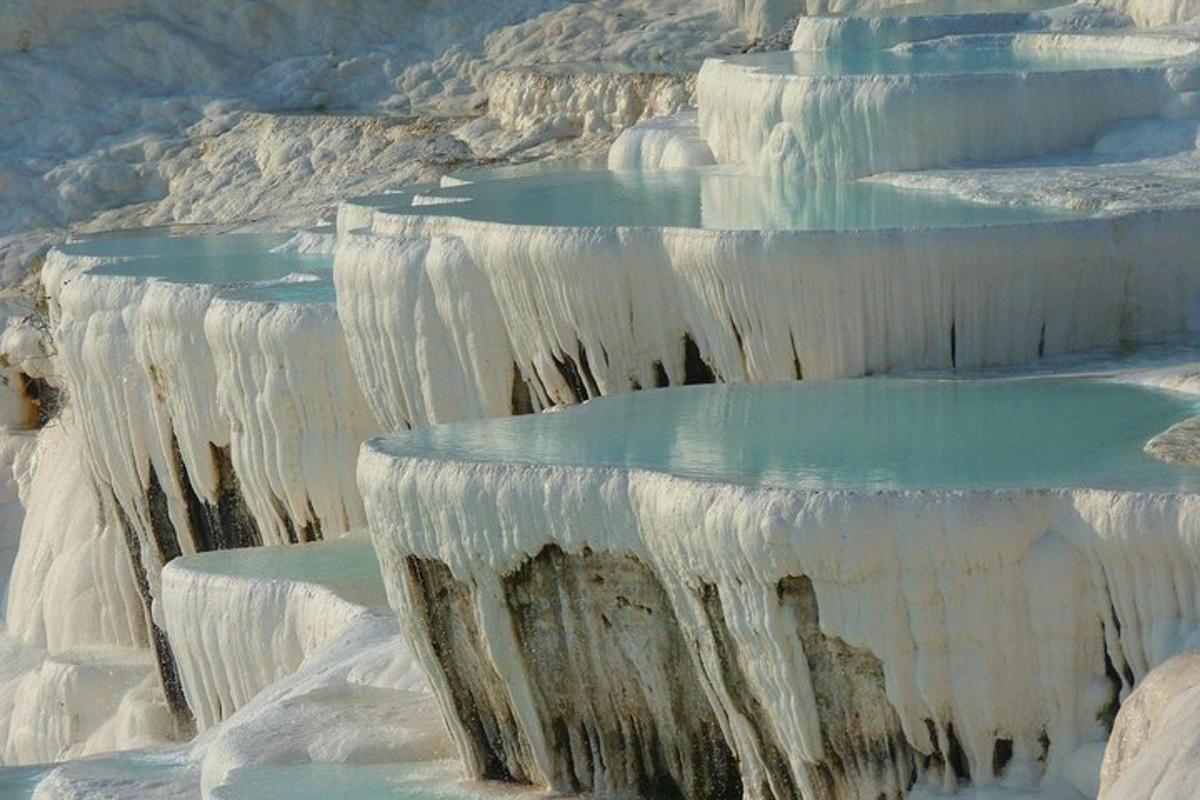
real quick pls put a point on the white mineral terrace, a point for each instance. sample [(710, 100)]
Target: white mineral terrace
[(516, 282), (931, 529), (273, 606), (215, 400), (975, 559), (883, 28), (845, 114)]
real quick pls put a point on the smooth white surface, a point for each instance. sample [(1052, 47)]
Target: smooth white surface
[(438, 309), (241, 620), (848, 126)]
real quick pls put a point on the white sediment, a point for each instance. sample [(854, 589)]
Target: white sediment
[(848, 126), (992, 613), (586, 98), (242, 620), (619, 302)]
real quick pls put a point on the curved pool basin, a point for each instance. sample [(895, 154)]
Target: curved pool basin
[(872, 435), (846, 114)]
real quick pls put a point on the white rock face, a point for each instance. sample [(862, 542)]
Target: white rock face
[(72, 586), (358, 699), (668, 143), (242, 620), (586, 98), (290, 655), (79, 677), (184, 460), (831, 32), (16, 451), (295, 414), (945, 593), (424, 331), (583, 312), (1153, 750), (763, 17), (850, 126), (1152, 13), (97, 702)]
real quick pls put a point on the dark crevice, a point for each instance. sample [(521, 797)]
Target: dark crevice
[(1042, 342), (1126, 669), (1107, 715), (479, 697), (569, 371), (162, 528), (660, 375), (289, 527), (695, 368), (796, 366), (957, 758), (1002, 753), (168, 672), (585, 366), (522, 402), (799, 370), (737, 337), (43, 399), (936, 757), (781, 785), (311, 532), (953, 346), (229, 523)]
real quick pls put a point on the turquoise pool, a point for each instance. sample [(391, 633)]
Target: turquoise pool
[(971, 54), (861, 435), (706, 197)]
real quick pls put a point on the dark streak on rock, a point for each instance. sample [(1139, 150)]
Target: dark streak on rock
[(478, 695), (168, 672), (695, 368)]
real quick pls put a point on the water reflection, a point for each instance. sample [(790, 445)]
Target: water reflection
[(712, 197), (875, 434), (968, 54)]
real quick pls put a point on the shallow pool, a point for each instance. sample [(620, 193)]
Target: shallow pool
[(348, 565), (707, 197), (974, 54), (868, 434), (19, 783), (431, 781), (159, 242), (132, 773), (229, 258), (934, 8), (320, 290), (245, 267)]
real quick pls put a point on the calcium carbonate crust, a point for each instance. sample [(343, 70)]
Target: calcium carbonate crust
[(1005, 625)]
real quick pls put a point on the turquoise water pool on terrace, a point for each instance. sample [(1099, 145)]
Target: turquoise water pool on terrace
[(972, 54), (936, 8), (160, 243), (429, 781), (104, 776), (227, 258), (347, 565), (863, 435), (236, 268), (320, 290), (708, 197)]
